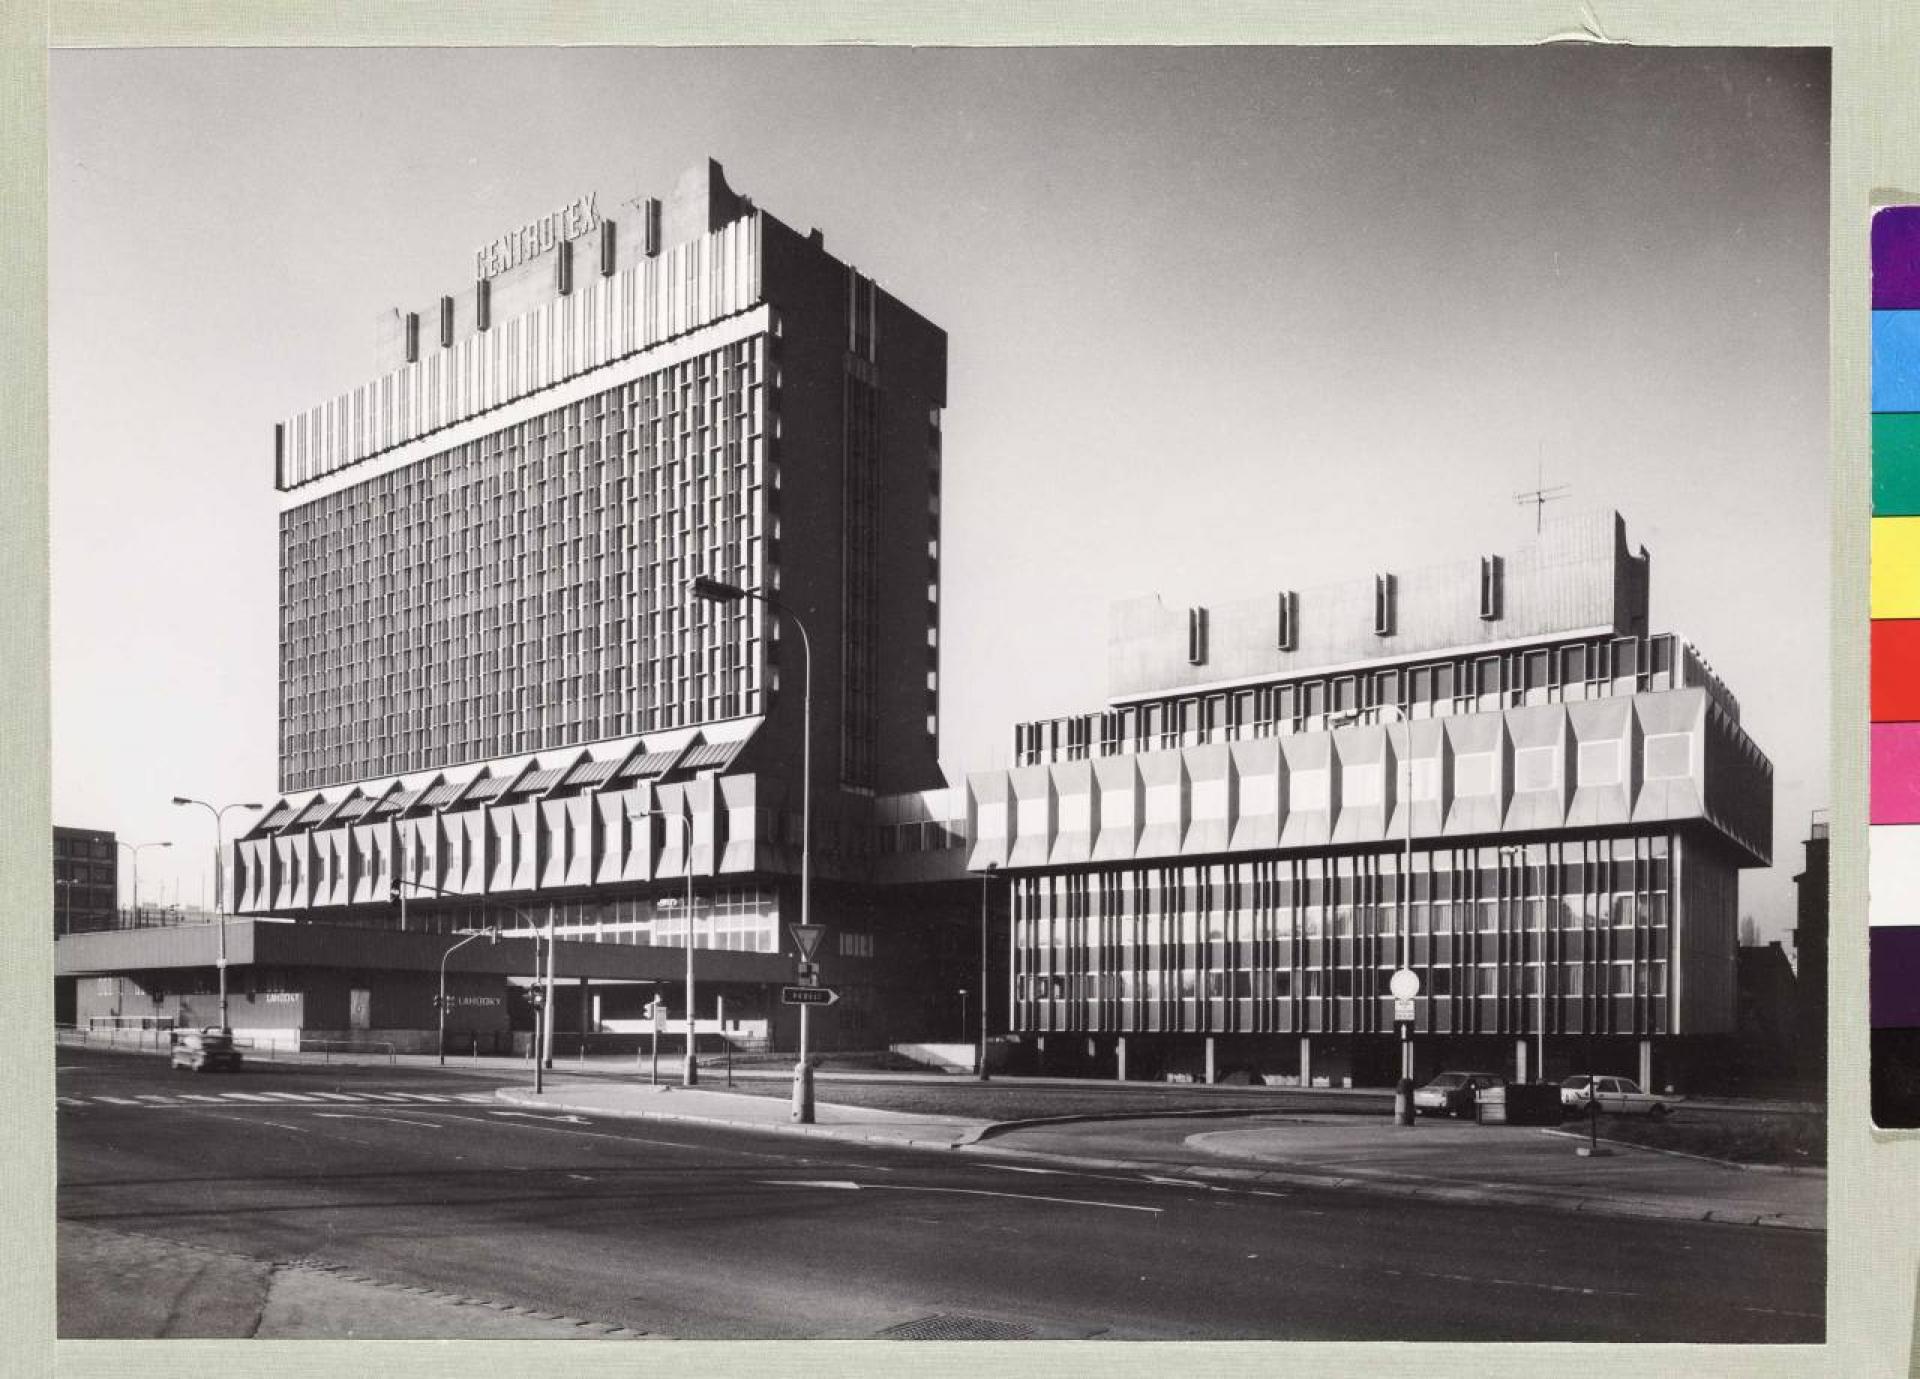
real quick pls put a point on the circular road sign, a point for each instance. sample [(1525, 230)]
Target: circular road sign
[(1404, 984)]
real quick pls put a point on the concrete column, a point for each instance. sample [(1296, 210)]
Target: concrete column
[(1520, 1059), (1120, 1055), (1306, 1061), (1646, 1065), (1212, 1071), (586, 1009)]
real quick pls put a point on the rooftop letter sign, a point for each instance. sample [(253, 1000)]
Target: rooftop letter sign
[(571, 221)]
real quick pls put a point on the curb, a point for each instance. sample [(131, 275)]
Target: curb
[(1439, 1193), (1204, 1175), (515, 1096), (1001, 1127), (1789, 1170)]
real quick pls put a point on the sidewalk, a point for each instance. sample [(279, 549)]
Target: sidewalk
[(118, 1285), (1493, 1165), (666, 1102)]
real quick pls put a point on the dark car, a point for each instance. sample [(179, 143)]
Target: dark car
[(1454, 1094), (205, 1050)]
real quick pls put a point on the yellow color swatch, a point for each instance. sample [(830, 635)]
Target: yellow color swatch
[(1896, 567)]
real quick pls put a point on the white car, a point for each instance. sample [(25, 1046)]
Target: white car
[(1621, 1095)]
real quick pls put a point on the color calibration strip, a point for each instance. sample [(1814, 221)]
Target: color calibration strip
[(1893, 907)]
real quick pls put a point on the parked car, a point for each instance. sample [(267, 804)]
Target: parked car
[(205, 1050), (1621, 1095), (1454, 1094)]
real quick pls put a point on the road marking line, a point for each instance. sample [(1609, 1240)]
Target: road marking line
[(419, 1096), (391, 1120), (1782, 1312), (200, 1096), (70, 1101), (953, 1191), (251, 1120), (116, 1100), (305, 1098), (355, 1098), (247, 1096)]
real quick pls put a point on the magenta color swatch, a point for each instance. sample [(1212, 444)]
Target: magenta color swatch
[(1895, 791)]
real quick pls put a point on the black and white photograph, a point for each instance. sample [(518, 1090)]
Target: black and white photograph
[(938, 694)]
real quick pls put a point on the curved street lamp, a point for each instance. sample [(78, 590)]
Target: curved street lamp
[(219, 813), (715, 591), (134, 848), (492, 931)]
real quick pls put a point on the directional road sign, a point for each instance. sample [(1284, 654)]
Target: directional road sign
[(808, 995)]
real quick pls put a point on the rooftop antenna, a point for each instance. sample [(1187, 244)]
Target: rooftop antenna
[(1541, 494)]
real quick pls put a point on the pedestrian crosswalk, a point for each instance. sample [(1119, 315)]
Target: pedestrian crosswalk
[(149, 1100)]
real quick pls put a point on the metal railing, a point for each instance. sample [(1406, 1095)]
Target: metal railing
[(325, 1048)]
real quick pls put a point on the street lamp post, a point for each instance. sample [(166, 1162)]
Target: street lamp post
[(714, 591), (134, 848), (986, 892), (690, 1070), (533, 928), (441, 1002), (219, 885)]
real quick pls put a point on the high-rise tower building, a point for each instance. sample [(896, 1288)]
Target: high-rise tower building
[(497, 689)]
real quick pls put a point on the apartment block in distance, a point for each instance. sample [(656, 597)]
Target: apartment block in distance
[(1208, 873)]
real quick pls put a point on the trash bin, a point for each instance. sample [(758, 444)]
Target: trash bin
[(1524, 1103)]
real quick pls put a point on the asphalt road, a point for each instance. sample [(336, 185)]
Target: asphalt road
[(417, 1178)]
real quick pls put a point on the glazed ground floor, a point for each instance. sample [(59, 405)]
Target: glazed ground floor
[(1628, 935)]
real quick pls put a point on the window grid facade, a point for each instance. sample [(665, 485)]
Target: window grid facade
[(526, 591), (737, 919), (1562, 672), (860, 578), (1306, 944)]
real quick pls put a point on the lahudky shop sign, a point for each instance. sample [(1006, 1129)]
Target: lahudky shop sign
[(571, 221)]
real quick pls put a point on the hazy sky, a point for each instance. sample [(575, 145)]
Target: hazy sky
[(1221, 321)]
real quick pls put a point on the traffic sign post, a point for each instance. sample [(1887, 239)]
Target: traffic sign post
[(806, 938)]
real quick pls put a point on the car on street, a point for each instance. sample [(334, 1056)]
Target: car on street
[(205, 1050), (1619, 1095), (1454, 1093)]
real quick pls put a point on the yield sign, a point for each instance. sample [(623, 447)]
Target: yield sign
[(806, 938)]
